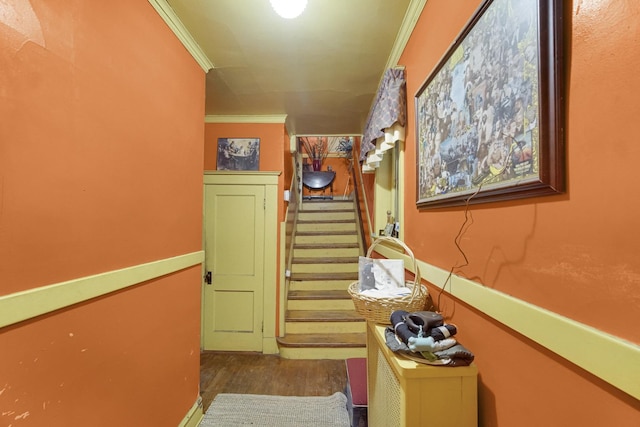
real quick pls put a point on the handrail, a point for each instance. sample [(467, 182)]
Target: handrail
[(363, 237), (295, 198), (364, 197)]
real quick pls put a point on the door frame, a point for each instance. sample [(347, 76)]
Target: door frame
[(269, 180)]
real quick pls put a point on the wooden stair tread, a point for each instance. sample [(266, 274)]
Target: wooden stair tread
[(323, 316), (326, 221), (323, 340), (329, 201), (325, 211), (324, 276), (322, 322), (325, 245), (325, 260), (319, 295), (327, 233)]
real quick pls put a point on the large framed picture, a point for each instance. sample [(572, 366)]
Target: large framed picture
[(240, 154), (489, 118)]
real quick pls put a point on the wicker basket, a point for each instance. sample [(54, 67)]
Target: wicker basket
[(379, 310)]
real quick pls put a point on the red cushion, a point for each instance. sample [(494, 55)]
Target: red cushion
[(357, 377)]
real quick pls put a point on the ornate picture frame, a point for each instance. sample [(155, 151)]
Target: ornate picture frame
[(490, 117)]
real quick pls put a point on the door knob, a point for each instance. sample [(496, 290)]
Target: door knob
[(207, 278)]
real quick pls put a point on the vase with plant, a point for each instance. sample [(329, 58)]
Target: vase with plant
[(317, 150)]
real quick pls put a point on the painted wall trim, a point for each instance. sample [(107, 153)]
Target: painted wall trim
[(225, 177), (603, 355), (411, 16), (408, 24), (273, 118), (30, 303), (194, 416), (270, 296), (175, 24)]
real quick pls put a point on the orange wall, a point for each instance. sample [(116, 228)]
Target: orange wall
[(100, 169), (273, 144), (341, 184), (574, 254)]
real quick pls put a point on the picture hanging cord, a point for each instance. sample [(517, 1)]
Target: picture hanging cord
[(468, 220), (456, 240)]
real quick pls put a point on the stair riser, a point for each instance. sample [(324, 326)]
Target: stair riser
[(326, 206), (328, 239), (321, 305), (322, 353), (325, 327), (323, 268), (319, 285), (327, 227), (326, 216), (326, 252)]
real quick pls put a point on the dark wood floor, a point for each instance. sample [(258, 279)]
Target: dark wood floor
[(256, 373)]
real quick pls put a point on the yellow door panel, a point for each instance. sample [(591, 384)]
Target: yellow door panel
[(234, 253)]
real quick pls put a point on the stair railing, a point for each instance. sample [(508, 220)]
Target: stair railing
[(295, 197), (356, 174), (288, 236)]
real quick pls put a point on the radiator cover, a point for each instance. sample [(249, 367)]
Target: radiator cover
[(408, 394)]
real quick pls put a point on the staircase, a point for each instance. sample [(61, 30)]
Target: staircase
[(320, 320)]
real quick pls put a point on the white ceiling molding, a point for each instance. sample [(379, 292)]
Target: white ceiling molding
[(314, 135), (168, 15), (273, 118), (408, 24)]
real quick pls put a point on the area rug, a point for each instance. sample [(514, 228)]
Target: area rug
[(232, 410)]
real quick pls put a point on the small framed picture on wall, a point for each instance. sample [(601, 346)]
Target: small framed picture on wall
[(239, 154)]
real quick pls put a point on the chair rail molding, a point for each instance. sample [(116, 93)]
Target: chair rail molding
[(581, 344), (24, 305)]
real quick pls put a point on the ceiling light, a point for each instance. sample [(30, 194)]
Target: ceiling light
[(289, 9)]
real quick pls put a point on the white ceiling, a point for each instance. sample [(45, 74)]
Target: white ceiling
[(321, 69)]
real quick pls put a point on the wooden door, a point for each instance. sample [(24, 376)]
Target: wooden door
[(234, 254)]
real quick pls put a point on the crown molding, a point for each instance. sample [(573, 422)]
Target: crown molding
[(328, 134), (408, 24), (414, 10), (171, 19), (273, 118)]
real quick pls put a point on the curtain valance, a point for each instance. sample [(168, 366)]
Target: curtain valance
[(387, 118)]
